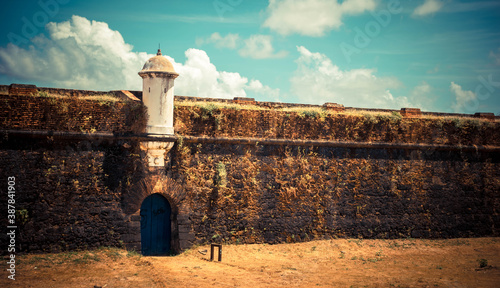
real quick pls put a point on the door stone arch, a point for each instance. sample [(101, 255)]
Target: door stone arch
[(182, 236)]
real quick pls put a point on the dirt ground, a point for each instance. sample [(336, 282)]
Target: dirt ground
[(329, 263)]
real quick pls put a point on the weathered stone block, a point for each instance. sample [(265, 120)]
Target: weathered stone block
[(184, 228), (182, 218), (244, 101), (133, 246), (23, 89), (129, 238), (135, 218), (334, 107), (134, 226), (411, 112), (489, 116), (187, 236), (185, 244)]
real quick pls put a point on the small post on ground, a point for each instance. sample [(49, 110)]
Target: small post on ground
[(212, 246)]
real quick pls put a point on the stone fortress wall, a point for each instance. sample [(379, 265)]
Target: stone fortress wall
[(243, 171)]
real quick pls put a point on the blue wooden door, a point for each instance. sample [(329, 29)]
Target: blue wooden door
[(155, 226)]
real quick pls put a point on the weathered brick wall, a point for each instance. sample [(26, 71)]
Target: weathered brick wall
[(70, 114), (71, 190), (86, 194), (213, 121), (269, 194), (74, 198), (70, 194), (23, 89), (73, 114)]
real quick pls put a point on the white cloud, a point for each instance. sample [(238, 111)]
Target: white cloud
[(495, 56), (465, 101), (83, 54), (422, 97), (260, 47), (77, 53), (428, 7), (317, 80), (199, 77), (256, 46), (259, 89), (312, 17), (229, 41)]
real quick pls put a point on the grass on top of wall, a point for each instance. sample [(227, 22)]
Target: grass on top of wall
[(105, 97), (321, 112)]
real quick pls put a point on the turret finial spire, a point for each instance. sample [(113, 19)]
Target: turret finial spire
[(159, 50)]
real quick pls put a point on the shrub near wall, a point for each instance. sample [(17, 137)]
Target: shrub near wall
[(315, 123), (248, 194)]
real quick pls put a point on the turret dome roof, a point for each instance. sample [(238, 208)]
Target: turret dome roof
[(158, 63)]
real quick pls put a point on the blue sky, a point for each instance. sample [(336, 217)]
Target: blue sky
[(437, 55)]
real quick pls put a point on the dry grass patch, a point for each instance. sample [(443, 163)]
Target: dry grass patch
[(329, 263), (105, 97)]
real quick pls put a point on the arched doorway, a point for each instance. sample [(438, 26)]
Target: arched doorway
[(155, 226)]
